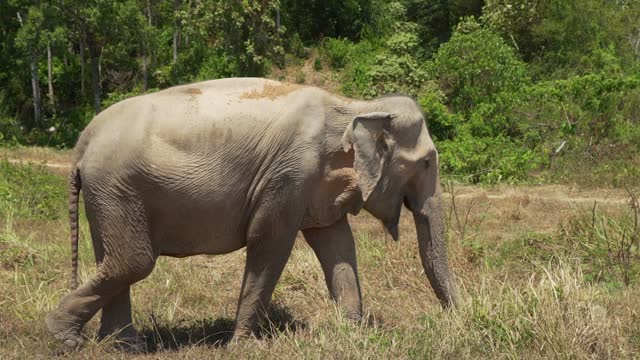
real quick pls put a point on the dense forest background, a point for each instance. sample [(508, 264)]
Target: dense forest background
[(513, 90)]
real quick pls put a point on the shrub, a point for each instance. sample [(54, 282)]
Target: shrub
[(442, 124), (356, 79), (476, 66), (216, 66), (595, 117), (336, 51), (295, 46), (10, 134), (486, 159)]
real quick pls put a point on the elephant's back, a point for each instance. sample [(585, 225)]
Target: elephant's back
[(214, 124)]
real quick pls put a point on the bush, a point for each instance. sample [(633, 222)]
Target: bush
[(595, 117), (397, 69), (356, 79), (442, 124), (216, 66), (487, 159), (295, 46), (10, 134), (476, 66), (336, 51)]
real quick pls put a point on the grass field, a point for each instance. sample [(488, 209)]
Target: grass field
[(544, 272)]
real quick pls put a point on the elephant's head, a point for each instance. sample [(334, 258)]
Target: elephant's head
[(397, 163)]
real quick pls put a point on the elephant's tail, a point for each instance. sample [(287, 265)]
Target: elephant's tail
[(75, 184)]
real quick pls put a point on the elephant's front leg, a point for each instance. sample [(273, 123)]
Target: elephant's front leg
[(335, 248), (266, 258)]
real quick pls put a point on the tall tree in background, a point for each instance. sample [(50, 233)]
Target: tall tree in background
[(28, 39), (176, 30)]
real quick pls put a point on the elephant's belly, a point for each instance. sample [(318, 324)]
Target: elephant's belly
[(178, 242), (193, 212), (186, 233)]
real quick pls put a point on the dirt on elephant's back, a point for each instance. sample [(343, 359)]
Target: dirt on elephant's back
[(271, 92)]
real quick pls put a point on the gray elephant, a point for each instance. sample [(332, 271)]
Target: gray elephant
[(213, 167)]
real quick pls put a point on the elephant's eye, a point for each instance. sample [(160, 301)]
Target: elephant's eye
[(427, 161)]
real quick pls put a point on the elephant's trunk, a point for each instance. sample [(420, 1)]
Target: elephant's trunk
[(430, 227)]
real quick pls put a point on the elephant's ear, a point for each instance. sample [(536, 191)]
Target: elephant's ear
[(366, 134)]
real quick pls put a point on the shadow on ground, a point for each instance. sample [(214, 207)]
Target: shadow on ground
[(214, 332)]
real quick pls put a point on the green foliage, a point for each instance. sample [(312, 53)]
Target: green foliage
[(356, 80), (395, 69), (476, 66), (390, 65), (10, 134), (32, 192), (216, 66), (513, 20), (596, 118), (487, 159), (336, 51), (442, 123), (317, 64), (332, 18), (501, 93), (436, 19), (294, 46)]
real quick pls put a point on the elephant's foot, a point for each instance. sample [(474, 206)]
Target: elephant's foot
[(125, 339), (353, 315), (134, 345), (244, 332), (65, 329)]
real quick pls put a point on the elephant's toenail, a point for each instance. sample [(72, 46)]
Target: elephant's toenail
[(70, 343)]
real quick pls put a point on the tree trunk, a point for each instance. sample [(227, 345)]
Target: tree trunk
[(82, 47), (50, 77), (35, 87), (149, 12), (35, 82), (95, 72), (176, 31), (145, 84)]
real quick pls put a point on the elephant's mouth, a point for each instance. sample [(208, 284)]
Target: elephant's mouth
[(391, 225), (392, 230), (407, 203)]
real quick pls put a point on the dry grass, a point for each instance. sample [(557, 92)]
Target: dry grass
[(527, 281), (39, 155)]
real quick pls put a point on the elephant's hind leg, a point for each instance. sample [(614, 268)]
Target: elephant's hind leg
[(122, 237), (116, 322)]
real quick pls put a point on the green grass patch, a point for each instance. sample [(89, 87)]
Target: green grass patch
[(32, 192)]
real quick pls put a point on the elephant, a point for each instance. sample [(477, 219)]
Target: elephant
[(216, 166)]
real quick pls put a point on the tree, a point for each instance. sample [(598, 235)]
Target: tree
[(476, 66), (29, 39)]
